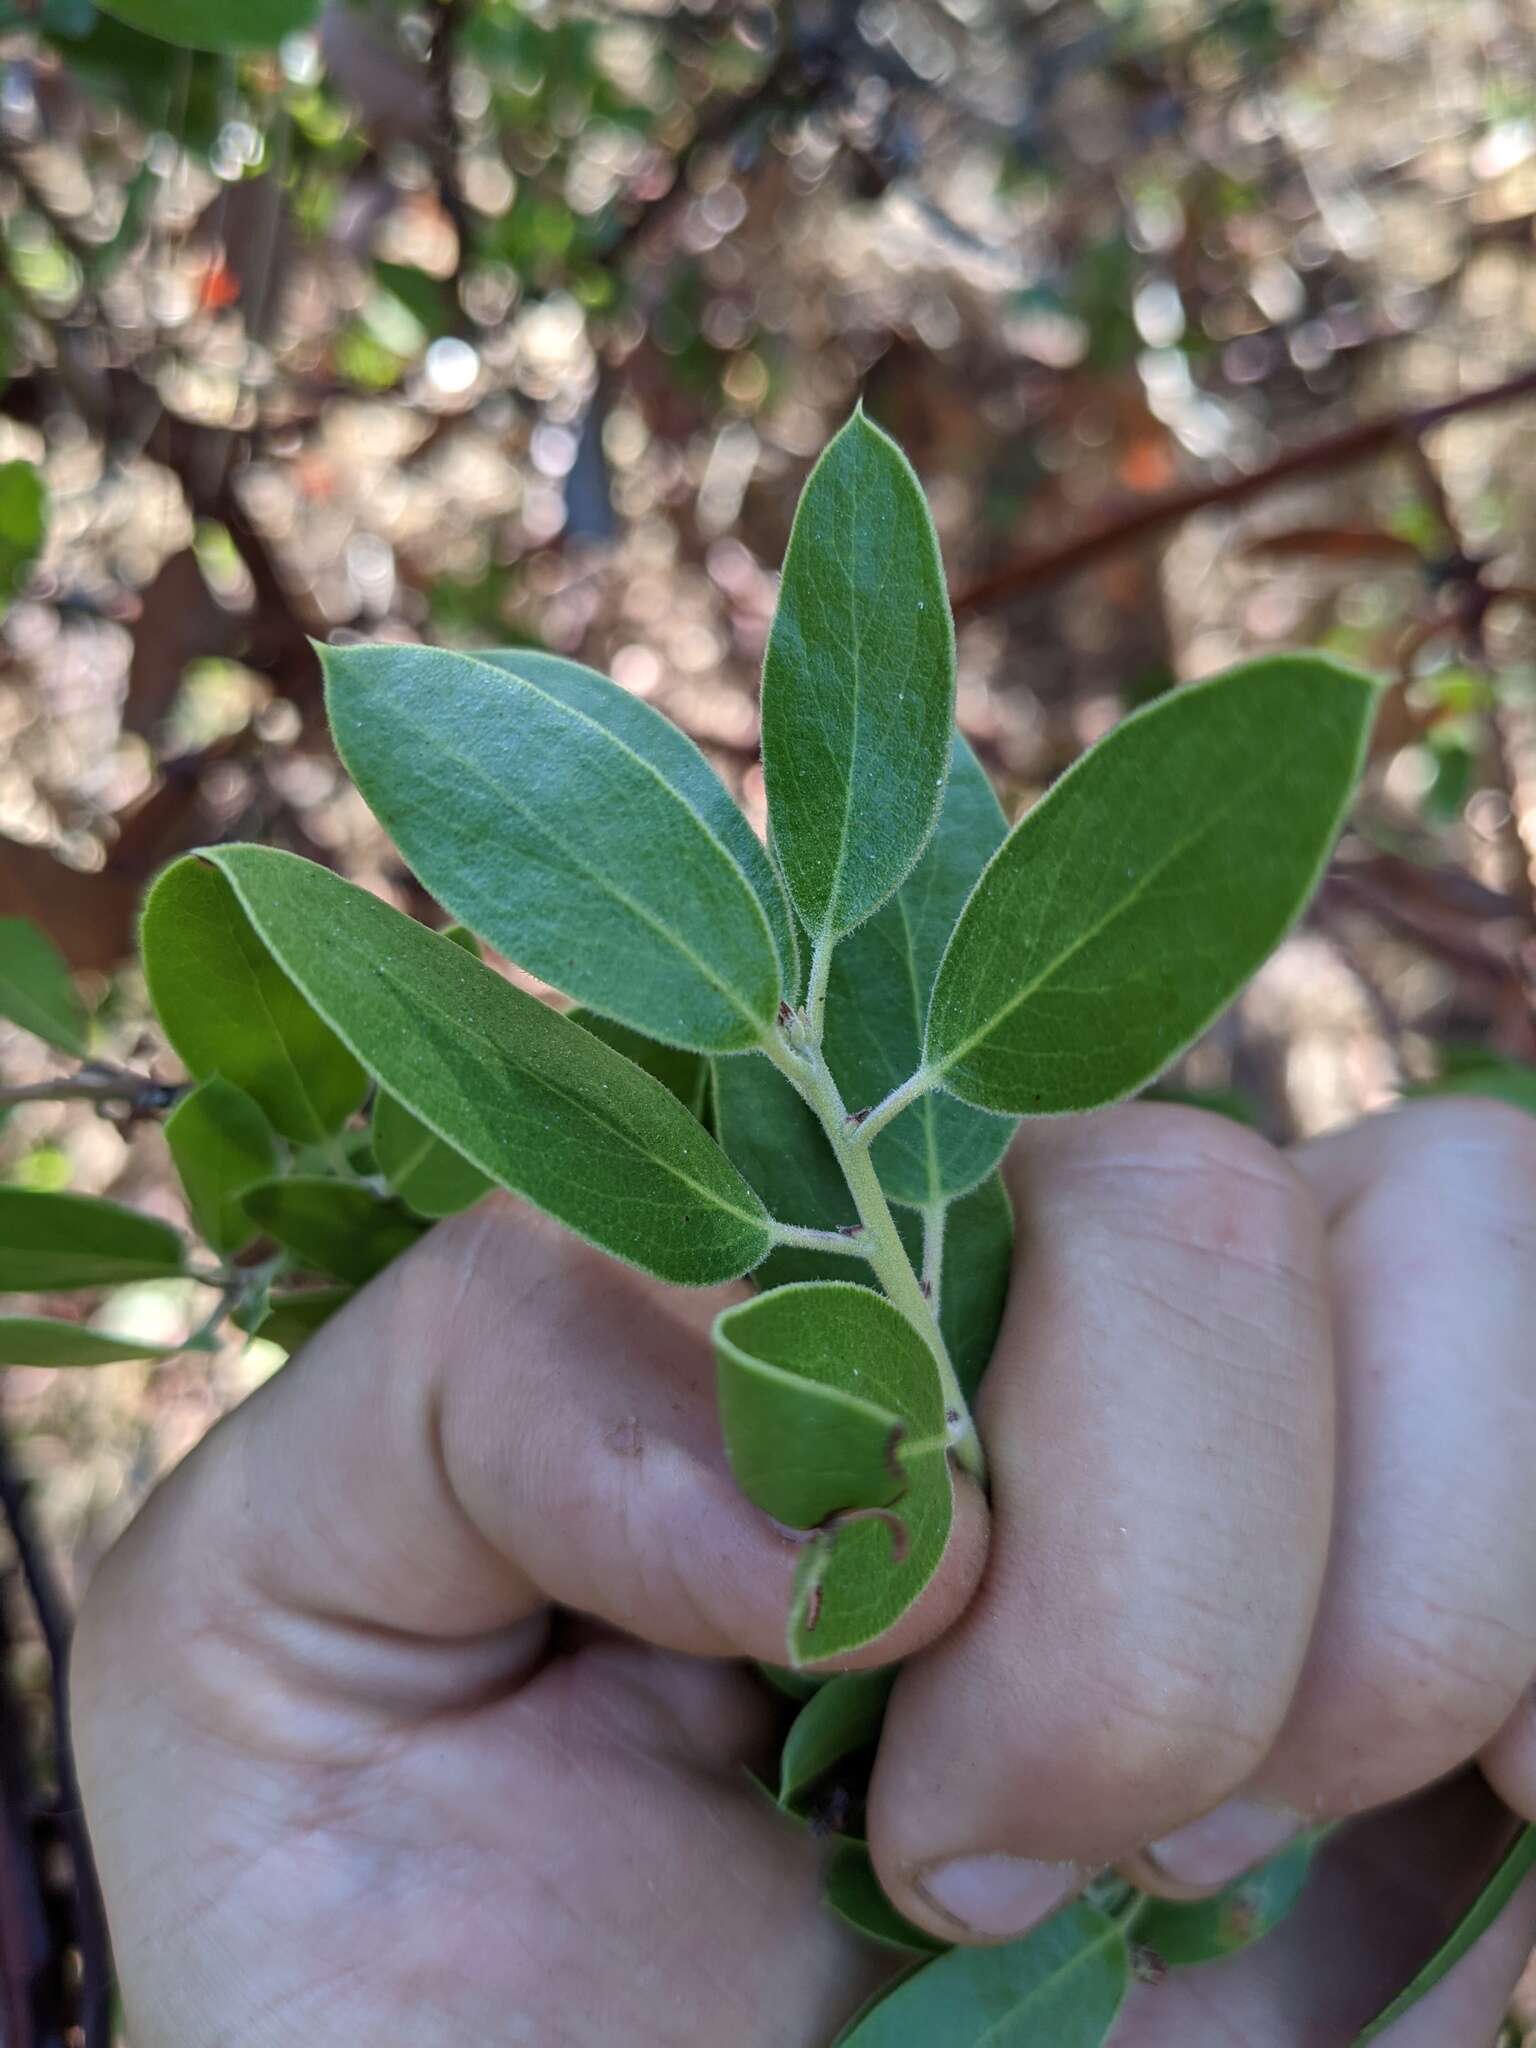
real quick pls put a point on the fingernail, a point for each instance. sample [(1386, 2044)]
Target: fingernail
[(1222, 1845), (997, 1896)]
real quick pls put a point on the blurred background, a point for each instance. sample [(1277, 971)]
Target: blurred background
[(1210, 326)]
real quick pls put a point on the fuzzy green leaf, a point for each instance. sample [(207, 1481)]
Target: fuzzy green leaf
[(222, 1146), (228, 1007), (974, 1276), (535, 1102), (1474, 1070), (1518, 1860), (1205, 1930), (834, 1421), (216, 24), (858, 684), (840, 1718), (1060, 1987), (36, 989), (43, 1340), (853, 1892), (572, 827), (49, 1241), (1125, 911), (333, 1226), (877, 1002), (684, 1073), (23, 525)]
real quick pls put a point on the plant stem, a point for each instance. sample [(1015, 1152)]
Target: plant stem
[(816, 990), (875, 1120), (935, 1216), (807, 1240), (881, 1242)]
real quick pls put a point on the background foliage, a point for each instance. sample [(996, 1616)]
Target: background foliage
[(487, 321)]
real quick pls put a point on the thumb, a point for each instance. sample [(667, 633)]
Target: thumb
[(505, 1419)]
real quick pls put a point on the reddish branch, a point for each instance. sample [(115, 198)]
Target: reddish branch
[(1323, 457)]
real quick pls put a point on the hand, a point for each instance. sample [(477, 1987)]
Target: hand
[(1263, 1548)]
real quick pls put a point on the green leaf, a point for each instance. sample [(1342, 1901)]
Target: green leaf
[(49, 1241), (228, 1008), (216, 24), (36, 989), (43, 1340), (333, 1226), (684, 1073), (858, 683), (292, 1316), (840, 1718), (429, 1176), (834, 1421), (535, 1102), (1518, 1859), (1060, 1987), (1207, 1929), (853, 1892), (426, 1174), (23, 525), (1125, 911), (222, 1146), (877, 1003), (573, 828), (974, 1276)]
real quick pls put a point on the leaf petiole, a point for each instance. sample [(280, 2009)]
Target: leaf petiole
[(874, 1121)]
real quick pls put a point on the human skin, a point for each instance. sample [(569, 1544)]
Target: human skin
[(409, 1709)]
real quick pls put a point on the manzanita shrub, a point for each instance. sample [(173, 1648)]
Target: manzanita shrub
[(802, 1062)]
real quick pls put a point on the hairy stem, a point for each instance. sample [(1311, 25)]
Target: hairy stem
[(935, 1216), (806, 1240), (881, 1242), (874, 1121)]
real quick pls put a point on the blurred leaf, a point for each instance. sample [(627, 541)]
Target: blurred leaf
[(1128, 908), (1491, 1901), (858, 683), (974, 1276), (49, 1241), (333, 1226), (216, 24), (222, 1146), (854, 1894), (1060, 1987), (428, 1175), (572, 827), (42, 1340), (23, 525), (1336, 544), (36, 988), (1207, 1929), (291, 1317), (144, 76), (877, 1002), (834, 1421), (425, 298), (530, 1098), (228, 1008), (1473, 1070)]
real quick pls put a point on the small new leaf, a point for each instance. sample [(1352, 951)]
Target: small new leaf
[(50, 1241), (858, 684), (833, 1421), (36, 989), (1206, 1930), (222, 1146), (1125, 911), (853, 1892), (840, 1718), (528, 1097), (572, 827), (228, 1008)]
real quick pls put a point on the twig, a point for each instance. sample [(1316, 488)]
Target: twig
[(1328, 455), (24, 1946), (450, 185), (143, 1094), (48, 1604)]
